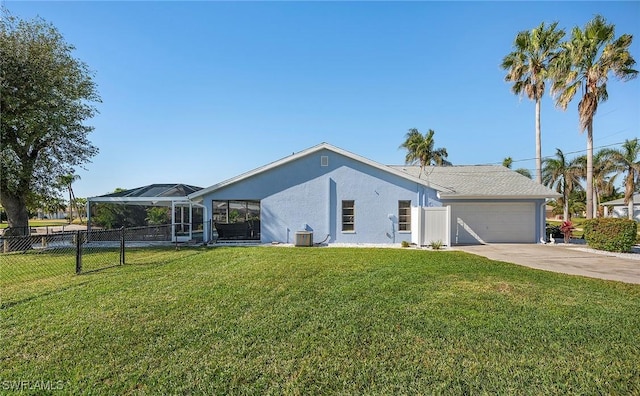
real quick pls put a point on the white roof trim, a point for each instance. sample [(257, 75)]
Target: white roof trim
[(446, 197), (303, 153)]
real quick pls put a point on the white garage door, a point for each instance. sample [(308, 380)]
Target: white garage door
[(473, 223)]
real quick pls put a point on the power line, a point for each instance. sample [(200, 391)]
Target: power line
[(550, 156)]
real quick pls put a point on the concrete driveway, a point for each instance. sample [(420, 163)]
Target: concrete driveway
[(573, 259)]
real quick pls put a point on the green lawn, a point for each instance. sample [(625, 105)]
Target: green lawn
[(40, 223), (274, 320)]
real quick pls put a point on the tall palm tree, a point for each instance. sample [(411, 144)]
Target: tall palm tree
[(420, 149), (528, 68), (627, 160), (563, 176), (584, 63)]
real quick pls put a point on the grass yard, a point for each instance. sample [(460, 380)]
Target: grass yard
[(275, 320), (41, 223)]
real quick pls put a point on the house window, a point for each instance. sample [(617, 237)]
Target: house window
[(348, 215), (235, 211), (404, 215), (221, 211)]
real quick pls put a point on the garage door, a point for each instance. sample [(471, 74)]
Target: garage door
[(473, 223)]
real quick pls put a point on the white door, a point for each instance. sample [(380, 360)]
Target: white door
[(473, 223)]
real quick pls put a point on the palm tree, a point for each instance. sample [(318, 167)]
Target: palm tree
[(585, 62), (563, 176), (420, 149), (66, 181), (528, 68), (603, 181), (508, 162), (627, 160)]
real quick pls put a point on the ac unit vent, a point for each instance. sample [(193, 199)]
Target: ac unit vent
[(324, 160)]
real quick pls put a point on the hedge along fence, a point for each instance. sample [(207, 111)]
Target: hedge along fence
[(611, 234)]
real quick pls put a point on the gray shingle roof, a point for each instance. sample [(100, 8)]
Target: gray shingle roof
[(479, 181)]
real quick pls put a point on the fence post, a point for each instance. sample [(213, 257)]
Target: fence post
[(122, 246), (78, 253)]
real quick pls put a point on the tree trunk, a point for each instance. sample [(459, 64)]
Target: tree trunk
[(538, 144), (18, 219), (565, 198), (17, 215), (629, 187), (70, 205), (589, 192)]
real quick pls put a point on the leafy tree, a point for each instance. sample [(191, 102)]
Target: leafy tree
[(420, 149), (157, 215), (508, 162), (51, 204), (626, 160), (584, 64), (528, 68), (110, 215), (47, 95), (562, 175)]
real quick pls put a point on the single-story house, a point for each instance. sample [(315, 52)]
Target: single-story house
[(343, 198), (620, 209)]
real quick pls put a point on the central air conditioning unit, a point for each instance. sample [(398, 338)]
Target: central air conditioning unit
[(304, 238)]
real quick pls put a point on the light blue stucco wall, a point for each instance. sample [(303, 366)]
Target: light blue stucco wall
[(303, 195)]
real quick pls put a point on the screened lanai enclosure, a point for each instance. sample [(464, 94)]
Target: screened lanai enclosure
[(162, 211)]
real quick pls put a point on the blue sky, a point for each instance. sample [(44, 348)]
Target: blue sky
[(198, 92)]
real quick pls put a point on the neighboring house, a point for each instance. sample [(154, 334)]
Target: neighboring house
[(617, 208), (342, 197)]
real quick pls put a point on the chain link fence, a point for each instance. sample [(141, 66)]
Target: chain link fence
[(41, 260)]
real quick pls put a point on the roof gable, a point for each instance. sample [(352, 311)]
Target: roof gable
[(451, 182), (311, 150)]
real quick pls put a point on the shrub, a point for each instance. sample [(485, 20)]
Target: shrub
[(567, 230), (436, 245), (612, 235), (553, 230), (404, 244)]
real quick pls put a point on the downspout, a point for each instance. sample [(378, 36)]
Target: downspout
[(173, 222), (542, 223)]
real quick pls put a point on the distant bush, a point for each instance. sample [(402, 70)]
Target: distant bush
[(404, 244), (553, 231), (436, 245), (612, 235)]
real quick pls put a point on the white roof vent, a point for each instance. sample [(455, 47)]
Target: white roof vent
[(324, 160)]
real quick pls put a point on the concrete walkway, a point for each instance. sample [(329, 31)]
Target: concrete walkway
[(573, 259)]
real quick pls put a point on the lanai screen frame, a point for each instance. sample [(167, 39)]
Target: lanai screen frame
[(153, 201)]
